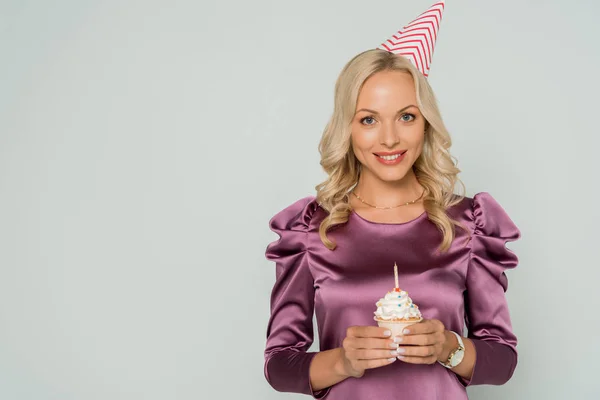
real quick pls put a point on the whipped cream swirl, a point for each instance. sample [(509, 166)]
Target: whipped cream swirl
[(397, 305)]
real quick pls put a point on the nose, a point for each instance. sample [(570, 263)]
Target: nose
[(389, 135)]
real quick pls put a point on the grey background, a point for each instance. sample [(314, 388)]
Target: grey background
[(145, 144)]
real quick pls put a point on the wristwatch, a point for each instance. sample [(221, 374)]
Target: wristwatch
[(457, 355)]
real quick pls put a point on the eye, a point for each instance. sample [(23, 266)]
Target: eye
[(367, 118), (411, 117)]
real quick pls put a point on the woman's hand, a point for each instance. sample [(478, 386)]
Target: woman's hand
[(425, 343), (366, 347)]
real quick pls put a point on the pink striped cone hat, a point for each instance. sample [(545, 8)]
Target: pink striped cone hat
[(417, 39)]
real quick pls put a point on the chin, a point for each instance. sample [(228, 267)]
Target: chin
[(392, 176)]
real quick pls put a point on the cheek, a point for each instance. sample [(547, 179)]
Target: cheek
[(419, 146), (357, 146), (416, 139), (364, 139), (359, 142)]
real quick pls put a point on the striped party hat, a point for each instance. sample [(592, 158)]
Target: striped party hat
[(417, 39)]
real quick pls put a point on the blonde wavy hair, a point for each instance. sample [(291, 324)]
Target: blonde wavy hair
[(435, 169)]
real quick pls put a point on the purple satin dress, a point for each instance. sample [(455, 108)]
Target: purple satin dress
[(464, 285)]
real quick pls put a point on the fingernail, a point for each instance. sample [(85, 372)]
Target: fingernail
[(406, 331), (394, 345), (397, 339), (392, 359), (401, 350), (401, 358), (387, 333), (394, 352)]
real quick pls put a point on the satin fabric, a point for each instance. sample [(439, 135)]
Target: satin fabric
[(464, 286)]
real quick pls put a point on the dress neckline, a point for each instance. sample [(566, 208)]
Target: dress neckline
[(420, 217)]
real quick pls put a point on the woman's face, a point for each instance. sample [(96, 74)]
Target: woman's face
[(387, 122)]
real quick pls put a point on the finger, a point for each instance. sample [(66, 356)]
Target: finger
[(421, 339), (369, 364), (369, 343), (417, 351), (368, 331), (426, 326), (364, 354), (418, 360)]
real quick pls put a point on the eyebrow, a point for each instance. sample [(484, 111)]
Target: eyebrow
[(375, 112)]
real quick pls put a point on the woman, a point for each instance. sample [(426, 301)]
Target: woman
[(389, 198)]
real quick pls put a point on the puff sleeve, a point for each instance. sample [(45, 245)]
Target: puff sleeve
[(486, 309), (290, 327)]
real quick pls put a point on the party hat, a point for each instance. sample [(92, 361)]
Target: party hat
[(417, 39)]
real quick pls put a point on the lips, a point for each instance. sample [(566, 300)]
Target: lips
[(390, 153), (392, 159)]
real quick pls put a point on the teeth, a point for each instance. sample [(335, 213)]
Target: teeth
[(390, 158)]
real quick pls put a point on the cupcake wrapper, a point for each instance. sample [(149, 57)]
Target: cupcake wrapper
[(396, 326)]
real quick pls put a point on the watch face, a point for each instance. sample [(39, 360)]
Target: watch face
[(457, 358)]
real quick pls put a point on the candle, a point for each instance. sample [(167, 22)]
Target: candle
[(396, 275)]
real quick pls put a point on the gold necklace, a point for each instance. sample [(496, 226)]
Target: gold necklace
[(387, 208)]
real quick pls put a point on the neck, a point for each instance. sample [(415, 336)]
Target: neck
[(388, 193)]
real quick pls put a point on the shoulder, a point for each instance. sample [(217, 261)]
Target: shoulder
[(484, 214), (295, 216), (492, 228), (491, 219), (292, 224)]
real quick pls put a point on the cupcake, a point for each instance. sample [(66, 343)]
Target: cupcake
[(396, 310)]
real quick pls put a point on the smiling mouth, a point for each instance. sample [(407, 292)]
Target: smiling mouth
[(391, 157)]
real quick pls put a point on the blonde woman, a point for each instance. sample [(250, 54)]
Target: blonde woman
[(389, 198)]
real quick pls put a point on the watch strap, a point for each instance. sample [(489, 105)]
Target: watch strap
[(461, 347)]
